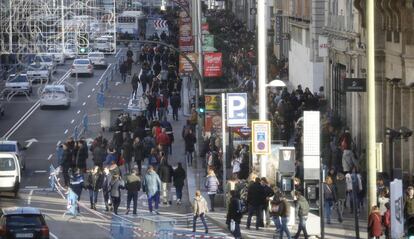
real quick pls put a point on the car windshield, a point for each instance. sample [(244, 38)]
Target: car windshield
[(18, 79), (37, 66), (81, 62), (7, 148), (7, 164), (24, 220), (53, 90), (96, 55)]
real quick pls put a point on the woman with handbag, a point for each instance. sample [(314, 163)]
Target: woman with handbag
[(234, 214)]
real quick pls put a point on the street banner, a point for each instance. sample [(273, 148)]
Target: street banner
[(213, 124), (186, 44), (213, 102), (184, 66), (212, 64), (261, 137), (185, 40), (236, 109), (208, 43), (397, 207)]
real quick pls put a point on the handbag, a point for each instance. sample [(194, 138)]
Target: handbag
[(232, 225)]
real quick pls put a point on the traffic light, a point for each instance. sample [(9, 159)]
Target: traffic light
[(201, 105), (83, 43)]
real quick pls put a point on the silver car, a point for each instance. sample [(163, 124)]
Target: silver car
[(82, 66), (55, 95)]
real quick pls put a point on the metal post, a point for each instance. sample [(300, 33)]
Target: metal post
[(223, 132), (372, 174), (391, 157), (354, 198), (321, 199), (262, 65)]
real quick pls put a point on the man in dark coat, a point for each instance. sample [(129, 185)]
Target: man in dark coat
[(127, 150), (255, 199), (190, 140), (106, 188), (123, 68), (67, 157), (132, 185), (175, 103), (81, 155), (179, 178), (99, 155), (94, 183), (234, 213), (166, 172), (134, 83), (139, 153)]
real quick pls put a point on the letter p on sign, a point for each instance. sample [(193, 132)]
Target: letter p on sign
[(236, 109)]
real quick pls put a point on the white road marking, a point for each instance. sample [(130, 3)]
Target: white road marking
[(53, 235), (119, 51), (31, 187), (32, 109), (73, 121), (78, 112), (66, 131), (93, 89), (84, 103), (29, 199), (40, 171), (89, 96), (58, 143), (50, 156)]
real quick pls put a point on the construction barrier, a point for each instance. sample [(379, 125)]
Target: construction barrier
[(182, 234)]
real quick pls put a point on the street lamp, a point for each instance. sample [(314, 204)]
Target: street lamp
[(276, 83)]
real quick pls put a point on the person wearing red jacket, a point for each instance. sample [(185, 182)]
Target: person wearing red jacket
[(162, 107), (386, 221), (374, 223), (164, 140)]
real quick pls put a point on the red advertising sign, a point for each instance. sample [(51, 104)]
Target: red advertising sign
[(212, 64), (186, 44), (204, 27)]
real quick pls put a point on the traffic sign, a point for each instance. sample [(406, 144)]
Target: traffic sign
[(261, 137), (236, 109)]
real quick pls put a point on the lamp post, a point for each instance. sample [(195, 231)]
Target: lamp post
[(401, 133)]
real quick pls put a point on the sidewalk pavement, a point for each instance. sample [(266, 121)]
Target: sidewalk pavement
[(344, 230)]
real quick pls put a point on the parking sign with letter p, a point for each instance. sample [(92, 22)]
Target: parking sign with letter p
[(236, 109)]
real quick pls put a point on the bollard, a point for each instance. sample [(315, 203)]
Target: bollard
[(75, 133), (101, 88), (85, 122), (100, 99)]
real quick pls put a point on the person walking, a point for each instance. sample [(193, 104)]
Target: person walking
[(94, 184), (139, 153), (99, 155), (340, 195), (77, 183), (274, 210), (106, 189), (175, 102), (134, 83), (152, 186), (374, 223), (212, 184), (127, 150), (123, 69), (132, 185), (165, 172), (67, 157), (81, 153), (190, 140), (234, 214), (268, 193), (329, 198), (255, 199), (409, 205), (115, 188), (302, 207), (164, 140), (386, 221), (179, 177), (284, 211), (200, 209)]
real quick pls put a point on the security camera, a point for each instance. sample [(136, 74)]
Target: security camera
[(405, 132)]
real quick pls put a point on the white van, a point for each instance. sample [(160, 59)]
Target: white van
[(104, 44), (10, 173)]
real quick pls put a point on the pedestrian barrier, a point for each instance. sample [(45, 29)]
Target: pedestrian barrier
[(149, 226), (182, 234), (121, 228)]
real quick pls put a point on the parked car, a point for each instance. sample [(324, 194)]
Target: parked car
[(11, 146), (23, 222), (10, 173), (46, 60), (55, 95), (19, 83), (38, 73), (82, 66), (98, 59)]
